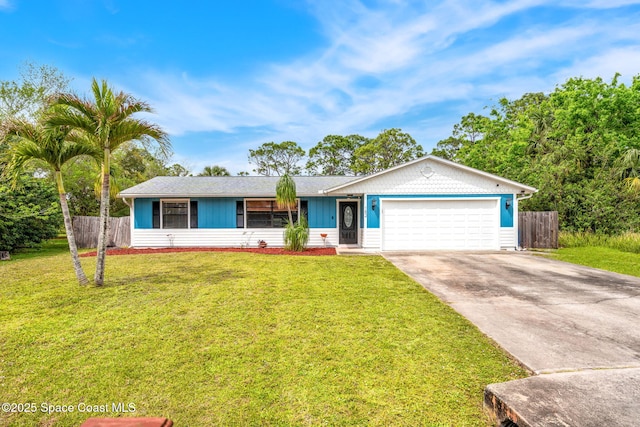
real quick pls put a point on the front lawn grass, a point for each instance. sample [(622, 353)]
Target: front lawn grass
[(601, 257), (239, 339), (51, 247)]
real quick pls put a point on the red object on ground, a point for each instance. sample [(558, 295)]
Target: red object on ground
[(268, 251), (127, 422)]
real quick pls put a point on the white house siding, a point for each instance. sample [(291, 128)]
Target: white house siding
[(371, 238), (508, 237), (223, 237), (430, 177)]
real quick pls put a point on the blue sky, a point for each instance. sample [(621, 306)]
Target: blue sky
[(227, 76)]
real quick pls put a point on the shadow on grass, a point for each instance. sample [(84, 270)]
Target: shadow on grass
[(51, 247), (206, 277)]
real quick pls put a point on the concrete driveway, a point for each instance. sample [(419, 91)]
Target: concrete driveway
[(564, 322)]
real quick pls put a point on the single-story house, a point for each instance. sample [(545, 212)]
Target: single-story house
[(428, 203)]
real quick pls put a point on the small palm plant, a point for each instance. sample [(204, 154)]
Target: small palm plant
[(296, 235)]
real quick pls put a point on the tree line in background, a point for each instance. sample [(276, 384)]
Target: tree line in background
[(579, 145), (337, 155)]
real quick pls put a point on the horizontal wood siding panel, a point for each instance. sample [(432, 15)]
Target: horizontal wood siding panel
[(371, 238), (226, 237), (508, 238)]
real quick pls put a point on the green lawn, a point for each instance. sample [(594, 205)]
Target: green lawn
[(239, 339), (601, 257), (52, 247)]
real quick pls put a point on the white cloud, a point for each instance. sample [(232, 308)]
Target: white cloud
[(382, 63), (600, 4), (623, 60), (5, 5)]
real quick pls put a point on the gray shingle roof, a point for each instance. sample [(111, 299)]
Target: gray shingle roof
[(229, 186)]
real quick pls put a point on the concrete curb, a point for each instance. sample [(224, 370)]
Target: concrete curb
[(578, 399)]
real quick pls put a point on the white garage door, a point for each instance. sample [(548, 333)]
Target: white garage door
[(467, 224)]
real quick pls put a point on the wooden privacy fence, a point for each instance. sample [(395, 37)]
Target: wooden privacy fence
[(86, 229), (538, 230)]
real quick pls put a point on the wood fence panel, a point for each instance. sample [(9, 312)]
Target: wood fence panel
[(538, 230), (86, 230)]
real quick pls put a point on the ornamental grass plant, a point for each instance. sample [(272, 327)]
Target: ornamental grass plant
[(296, 236), (627, 242)]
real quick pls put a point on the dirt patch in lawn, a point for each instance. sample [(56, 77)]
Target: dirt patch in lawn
[(266, 251)]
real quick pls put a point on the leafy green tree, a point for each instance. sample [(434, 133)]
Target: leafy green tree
[(29, 212), (334, 155), (27, 98), (390, 148), (177, 170), (243, 173), (80, 179), (51, 148), (107, 121), (277, 159), (470, 131), (570, 144), (448, 148), (214, 171), (135, 163)]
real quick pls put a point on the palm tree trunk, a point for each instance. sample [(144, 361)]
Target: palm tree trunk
[(103, 236), (68, 227)]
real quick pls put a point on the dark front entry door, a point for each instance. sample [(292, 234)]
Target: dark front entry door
[(348, 223)]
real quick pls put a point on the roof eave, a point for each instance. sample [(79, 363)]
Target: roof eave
[(174, 196)]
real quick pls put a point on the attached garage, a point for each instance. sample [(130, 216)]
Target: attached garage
[(432, 224)]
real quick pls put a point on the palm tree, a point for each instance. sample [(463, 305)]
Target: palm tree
[(296, 235), (34, 143), (214, 171), (107, 121), (286, 194), (631, 169)]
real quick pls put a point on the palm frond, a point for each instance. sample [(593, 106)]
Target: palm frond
[(133, 129), (630, 169), (77, 116), (633, 184), (286, 192), (48, 146)]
